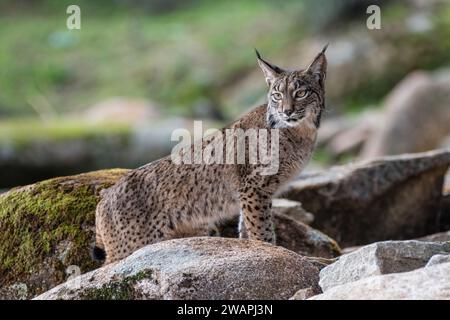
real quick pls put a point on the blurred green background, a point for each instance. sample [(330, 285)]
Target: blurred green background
[(155, 61), (175, 52)]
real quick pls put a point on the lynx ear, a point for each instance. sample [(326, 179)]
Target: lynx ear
[(319, 66), (270, 71)]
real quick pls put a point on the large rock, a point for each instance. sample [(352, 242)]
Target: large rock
[(395, 197), (292, 209), (45, 229), (437, 237), (421, 284), (447, 183), (438, 259), (196, 268), (445, 212), (303, 239), (416, 116), (344, 135), (380, 258)]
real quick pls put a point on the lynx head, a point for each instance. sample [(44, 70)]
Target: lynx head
[(295, 96)]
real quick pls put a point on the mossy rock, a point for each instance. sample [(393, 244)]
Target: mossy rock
[(46, 230)]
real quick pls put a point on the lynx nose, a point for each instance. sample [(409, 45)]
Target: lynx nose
[(288, 112)]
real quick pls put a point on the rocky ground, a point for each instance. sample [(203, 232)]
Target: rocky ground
[(391, 216)]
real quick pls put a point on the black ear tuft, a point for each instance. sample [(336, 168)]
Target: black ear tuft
[(257, 54), (270, 71), (319, 66), (273, 67)]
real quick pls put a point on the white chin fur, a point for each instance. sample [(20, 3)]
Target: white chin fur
[(278, 122), (289, 124), (292, 123), (284, 124)]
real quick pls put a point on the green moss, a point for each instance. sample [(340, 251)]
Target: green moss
[(35, 219), (395, 12), (19, 133), (117, 290), (322, 156)]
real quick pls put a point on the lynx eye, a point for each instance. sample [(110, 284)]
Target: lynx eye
[(300, 94), (276, 96)]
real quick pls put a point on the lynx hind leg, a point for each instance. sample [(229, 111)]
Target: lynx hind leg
[(257, 215), (122, 232), (129, 238)]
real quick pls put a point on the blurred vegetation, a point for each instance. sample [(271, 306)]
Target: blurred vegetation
[(181, 54), (195, 57), (431, 52), (18, 133), (178, 57)]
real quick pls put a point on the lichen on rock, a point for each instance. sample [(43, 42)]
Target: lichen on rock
[(117, 290), (47, 227)]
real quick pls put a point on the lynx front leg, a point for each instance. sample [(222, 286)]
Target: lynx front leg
[(257, 215)]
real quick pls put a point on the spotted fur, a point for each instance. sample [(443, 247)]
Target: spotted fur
[(163, 200)]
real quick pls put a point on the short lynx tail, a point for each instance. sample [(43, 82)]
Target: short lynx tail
[(98, 252)]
